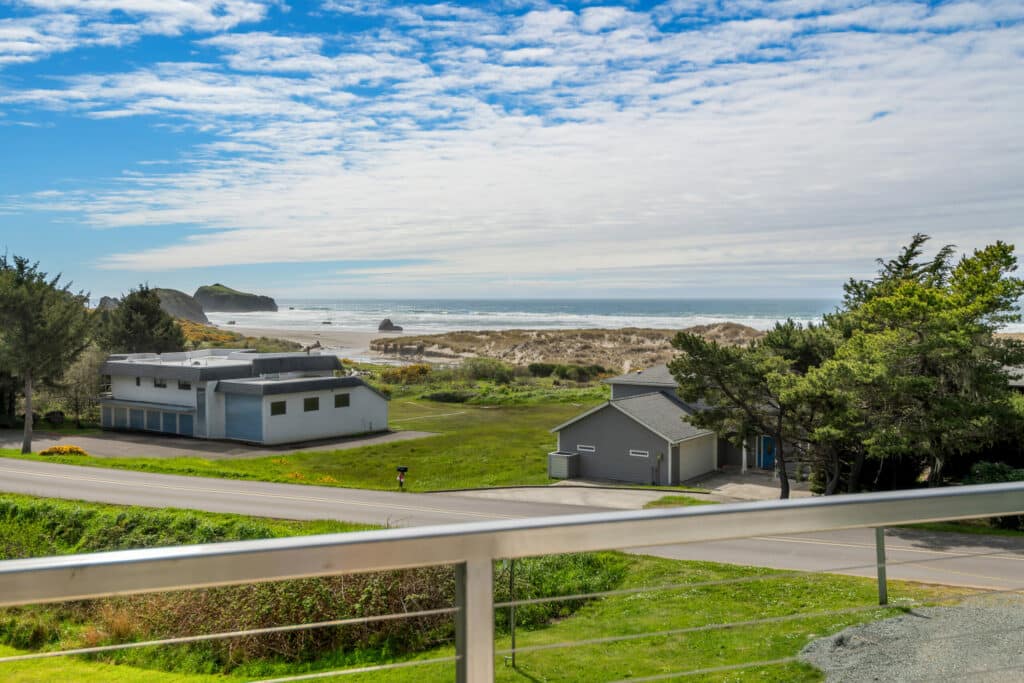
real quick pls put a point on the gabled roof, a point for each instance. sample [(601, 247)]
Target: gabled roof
[(664, 415), (655, 376)]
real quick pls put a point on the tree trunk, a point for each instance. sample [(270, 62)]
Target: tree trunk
[(780, 467), (832, 474), (26, 442), (855, 469)]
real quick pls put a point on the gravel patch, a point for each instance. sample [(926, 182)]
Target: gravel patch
[(981, 639)]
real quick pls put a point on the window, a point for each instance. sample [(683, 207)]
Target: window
[(584, 448), (160, 383), (311, 404), (278, 407), (341, 400), (639, 454), (184, 386), (138, 381)]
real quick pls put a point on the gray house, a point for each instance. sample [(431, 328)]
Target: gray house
[(643, 435)]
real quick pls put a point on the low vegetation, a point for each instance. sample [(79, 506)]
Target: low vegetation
[(36, 527), (619, 350), (199, 336), (678, 501)]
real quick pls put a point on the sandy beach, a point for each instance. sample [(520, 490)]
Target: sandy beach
[(353, 344)]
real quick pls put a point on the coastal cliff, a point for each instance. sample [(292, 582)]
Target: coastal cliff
[(218, 297), (180, 305), (173, 302)]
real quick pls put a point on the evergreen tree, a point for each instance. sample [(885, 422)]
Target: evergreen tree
[(139, 325), (44, 327)]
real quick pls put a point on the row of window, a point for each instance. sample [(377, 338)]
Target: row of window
[(309, 405), (161, 383), (587, 448)]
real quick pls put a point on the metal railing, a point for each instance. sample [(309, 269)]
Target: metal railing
[(472, 549)]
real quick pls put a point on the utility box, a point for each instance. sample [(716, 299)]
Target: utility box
[(563, 465)]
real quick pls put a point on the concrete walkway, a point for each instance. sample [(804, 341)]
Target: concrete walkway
[(139, 445)]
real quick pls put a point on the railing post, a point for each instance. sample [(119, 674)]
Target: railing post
[(474, 622), (883, 588)]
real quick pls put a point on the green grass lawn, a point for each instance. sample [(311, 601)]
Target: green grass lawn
[(678, 501), (475, 446), (966, 526), (657, 611)]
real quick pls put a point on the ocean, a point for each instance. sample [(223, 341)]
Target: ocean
[(445, 315)]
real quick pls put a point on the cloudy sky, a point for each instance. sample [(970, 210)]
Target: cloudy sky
[(505, 149)]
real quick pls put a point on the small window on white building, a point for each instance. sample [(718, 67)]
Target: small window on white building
[(184, 386), (639, 454), (342, 400), (278, 407), (585, 448), (311, 404), (159, 383), (138, 381)]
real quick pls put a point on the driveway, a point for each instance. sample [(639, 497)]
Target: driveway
[(139, 445)]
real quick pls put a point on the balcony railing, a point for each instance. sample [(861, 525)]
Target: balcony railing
[(472, 549)]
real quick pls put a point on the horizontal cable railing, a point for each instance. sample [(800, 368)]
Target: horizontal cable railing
[(473, 548)]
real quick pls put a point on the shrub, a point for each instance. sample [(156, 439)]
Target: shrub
[(63, 450), (487, 368), (995, 473), (406, 374), (541, 369), (54, 417), (449, 396)]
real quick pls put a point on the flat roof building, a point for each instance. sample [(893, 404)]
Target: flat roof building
[(262, 398)]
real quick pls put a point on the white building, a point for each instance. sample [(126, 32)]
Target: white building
[(264, 398)]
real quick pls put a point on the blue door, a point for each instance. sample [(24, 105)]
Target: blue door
[(153, 420), (170, 423), (185, 425), (767, 457), (243, 417)]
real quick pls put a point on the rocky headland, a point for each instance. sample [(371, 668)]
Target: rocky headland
[(220, 298)]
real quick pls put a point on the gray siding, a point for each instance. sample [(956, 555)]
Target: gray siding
[(627, 390), (613, 435)]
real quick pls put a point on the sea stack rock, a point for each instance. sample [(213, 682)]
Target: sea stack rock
[(387, 326), (217, 297), (180, 305)]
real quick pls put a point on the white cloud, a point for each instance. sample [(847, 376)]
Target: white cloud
[(545, 143)]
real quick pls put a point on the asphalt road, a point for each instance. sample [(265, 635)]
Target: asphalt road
[(261, 499), (988, 562)]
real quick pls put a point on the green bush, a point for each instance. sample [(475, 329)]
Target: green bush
[(487, 368), (996, 473), (449, 396), (578, 373), (541, 369)]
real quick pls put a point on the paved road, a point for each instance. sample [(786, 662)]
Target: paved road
[(955, 559), (137, 445), (262, 499)]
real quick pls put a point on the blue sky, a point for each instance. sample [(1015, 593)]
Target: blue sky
[(504, 149)]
